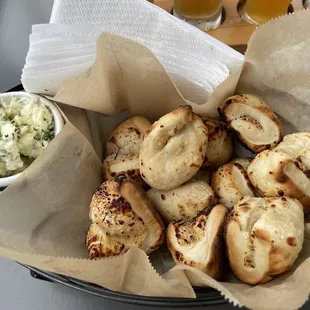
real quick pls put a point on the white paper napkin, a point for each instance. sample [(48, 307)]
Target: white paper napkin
[(195, 61)]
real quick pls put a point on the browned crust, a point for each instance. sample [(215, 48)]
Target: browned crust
[(161, 239), (152, 209), (293, 191), (216, 174), (133, 119), (214, 129), (262, 107), (133, 174), (184, 109), (233, 216), (218, 249), (262, 235), (159, 220), (291, 241), (275, 255), (215, 267), (97, 248), (289, 188), (110, 192), (245, 175)]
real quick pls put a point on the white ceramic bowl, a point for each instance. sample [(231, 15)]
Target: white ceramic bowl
[(58, 119)]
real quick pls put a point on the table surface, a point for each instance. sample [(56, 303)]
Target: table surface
[(234, 30), (18, 290)]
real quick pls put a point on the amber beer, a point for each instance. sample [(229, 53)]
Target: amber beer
[(203, 14), (263, 10), (197, 9)]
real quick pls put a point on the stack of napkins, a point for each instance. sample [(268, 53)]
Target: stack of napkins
[(195, 61)]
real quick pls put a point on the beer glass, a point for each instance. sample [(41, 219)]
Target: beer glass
[(204, 14), (260, 11)]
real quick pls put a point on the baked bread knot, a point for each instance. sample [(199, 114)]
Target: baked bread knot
[(264, 237), (127, 136), (198, 242), (122, 218), (297, 145), (275, 173), (123, 149), (257, 127), (220, 145), (183, 202), (230, 182), (173, 149), (127, 165)]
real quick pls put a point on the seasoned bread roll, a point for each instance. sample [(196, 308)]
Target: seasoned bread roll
[(275, 173), (127, 136), (198, 242), (220, 145), (230, 182), (123, 149), (173, 149), (122, 217), (183, 202), (114, 166), (297, 145), (264, 237), (127, 165), (257, 127)]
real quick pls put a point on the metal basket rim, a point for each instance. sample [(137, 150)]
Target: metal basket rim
[(206, 296)]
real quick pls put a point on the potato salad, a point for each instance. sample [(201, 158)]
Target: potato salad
[(26, 128)]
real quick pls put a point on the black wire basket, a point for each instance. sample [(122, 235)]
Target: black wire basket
[(205, 296)]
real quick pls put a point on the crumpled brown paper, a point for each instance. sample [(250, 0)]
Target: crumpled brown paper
[(44, 214)]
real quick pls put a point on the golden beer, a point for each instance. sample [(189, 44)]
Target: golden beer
[(197, 9), (263, 10)]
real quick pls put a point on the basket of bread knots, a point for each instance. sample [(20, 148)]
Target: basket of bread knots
[(180, 171), (151, 194)]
